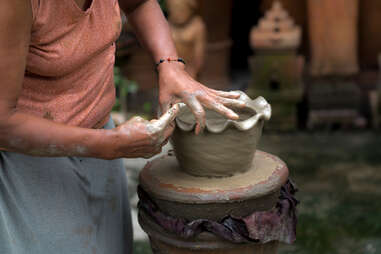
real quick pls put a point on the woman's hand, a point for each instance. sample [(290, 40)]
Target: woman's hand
[(153, 32), (177, 85), (141, 138)]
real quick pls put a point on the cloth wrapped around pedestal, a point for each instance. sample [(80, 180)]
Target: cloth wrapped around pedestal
[(277, 224)]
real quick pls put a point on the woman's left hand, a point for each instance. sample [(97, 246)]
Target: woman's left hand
[(176, 85)]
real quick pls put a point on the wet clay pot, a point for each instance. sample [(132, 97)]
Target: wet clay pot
[(226, 147)]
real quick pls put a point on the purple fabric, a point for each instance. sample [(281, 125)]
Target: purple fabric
[(278, 223)]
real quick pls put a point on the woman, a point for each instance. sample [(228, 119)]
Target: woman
[(62, 186)]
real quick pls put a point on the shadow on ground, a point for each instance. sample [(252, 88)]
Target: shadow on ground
[(339, 181)]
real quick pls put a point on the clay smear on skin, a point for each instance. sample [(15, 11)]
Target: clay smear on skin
[(158, 127)]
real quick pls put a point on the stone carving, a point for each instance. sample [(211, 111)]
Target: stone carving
[(189, 33), (225, 147), (276, 30)]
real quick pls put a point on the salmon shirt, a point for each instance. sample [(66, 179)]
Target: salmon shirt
[(69, 70)]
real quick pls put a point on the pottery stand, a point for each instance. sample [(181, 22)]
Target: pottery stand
[(181, 195), (218, 195), (334, 101), (276, 68)]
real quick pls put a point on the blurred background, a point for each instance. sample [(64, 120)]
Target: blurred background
[(317, 63)]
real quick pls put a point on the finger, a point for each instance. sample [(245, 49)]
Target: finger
[(165, 142), (220, 108), (158, 150), (138, 119), (165, 102), (212, 103), (231, 95), (164, 107), (168, 131), (198, 112), (167, 105), (148, 156), (153, 152), (232, 103), (167, 118)]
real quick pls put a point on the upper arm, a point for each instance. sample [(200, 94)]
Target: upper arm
[(15, 29), (130, 5)]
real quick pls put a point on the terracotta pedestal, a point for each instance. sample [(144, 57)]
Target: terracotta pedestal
[(333, 27), (180, 195), (217, 16)]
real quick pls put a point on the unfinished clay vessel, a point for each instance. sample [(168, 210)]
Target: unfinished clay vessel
[(226, 147)]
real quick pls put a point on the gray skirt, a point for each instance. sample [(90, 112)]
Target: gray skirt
[(63, 205)]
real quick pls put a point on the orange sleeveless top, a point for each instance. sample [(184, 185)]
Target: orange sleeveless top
[(69, 71)]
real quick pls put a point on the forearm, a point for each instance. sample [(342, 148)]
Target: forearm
[(175, 84), (40, 137), (151, 28)]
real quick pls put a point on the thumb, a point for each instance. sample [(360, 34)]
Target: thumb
[(168, 117)]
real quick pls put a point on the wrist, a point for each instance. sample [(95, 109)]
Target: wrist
[(170, 63), (105, 145)]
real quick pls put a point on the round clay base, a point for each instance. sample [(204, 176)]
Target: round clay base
[(190, 197)]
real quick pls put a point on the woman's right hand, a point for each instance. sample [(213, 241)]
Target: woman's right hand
[(141, 138)]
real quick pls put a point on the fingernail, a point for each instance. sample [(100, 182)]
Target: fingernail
[(201, 130), (235, 93), (235, 116), (197, 130)]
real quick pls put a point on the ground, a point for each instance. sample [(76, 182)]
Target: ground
[(339, 179)]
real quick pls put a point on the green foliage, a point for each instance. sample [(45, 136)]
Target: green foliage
[(124, 87), (163, 6), (147, 107)]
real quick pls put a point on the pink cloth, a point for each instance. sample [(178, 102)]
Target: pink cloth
[(69, 71)]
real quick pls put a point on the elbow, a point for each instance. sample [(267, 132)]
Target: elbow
[(6, 114), (6, 126)]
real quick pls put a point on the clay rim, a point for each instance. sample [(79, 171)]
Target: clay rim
[(260, 106)]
